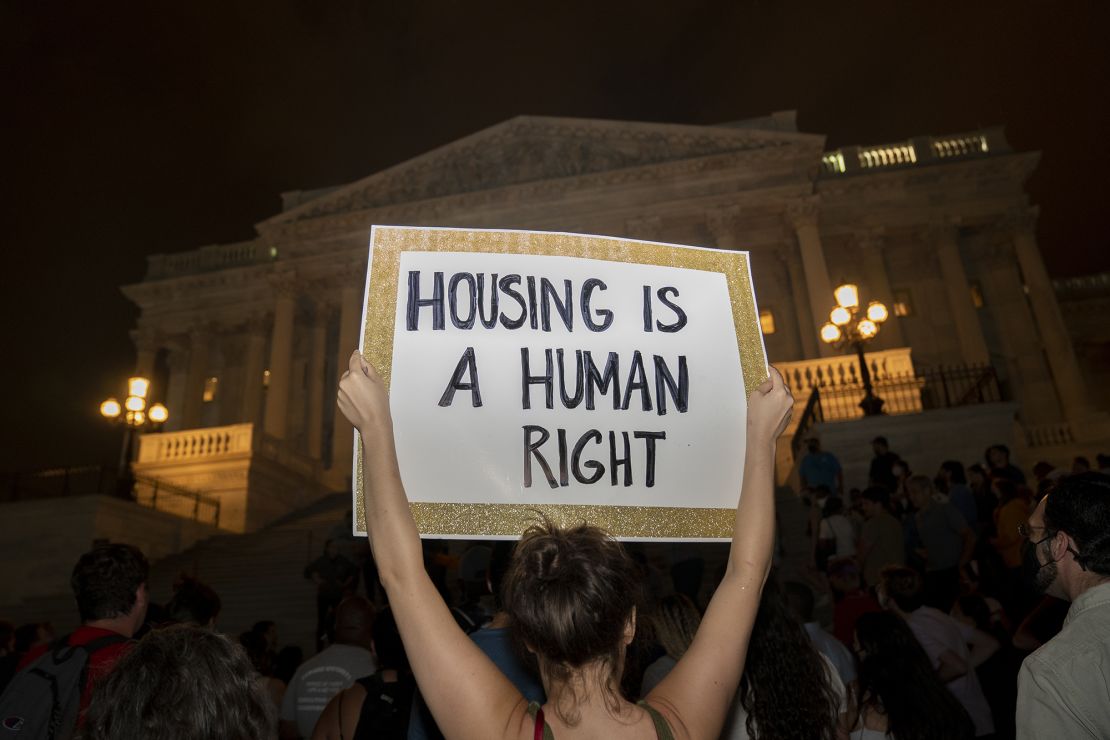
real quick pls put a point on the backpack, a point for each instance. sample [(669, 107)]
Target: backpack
[(385, 711), (43, 700)]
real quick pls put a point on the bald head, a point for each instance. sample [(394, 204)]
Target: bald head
[(353, 619)]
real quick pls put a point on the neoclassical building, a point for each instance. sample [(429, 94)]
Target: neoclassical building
[(245, 341)]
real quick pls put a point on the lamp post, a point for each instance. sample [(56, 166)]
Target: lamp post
[(133, 414), (843, 328)]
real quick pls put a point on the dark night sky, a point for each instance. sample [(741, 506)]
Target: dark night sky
[(130, 130)]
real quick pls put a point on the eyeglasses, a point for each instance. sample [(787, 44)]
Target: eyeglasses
[(1026, 531)]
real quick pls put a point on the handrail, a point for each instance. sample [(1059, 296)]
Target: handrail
[(98, 480), (812, 414)]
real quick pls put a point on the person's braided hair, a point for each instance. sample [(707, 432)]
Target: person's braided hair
[(1080, 506)]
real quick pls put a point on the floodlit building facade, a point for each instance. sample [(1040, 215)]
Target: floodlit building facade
[(245, 341)]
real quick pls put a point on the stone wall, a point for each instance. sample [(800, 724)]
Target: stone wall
[(41, 540)]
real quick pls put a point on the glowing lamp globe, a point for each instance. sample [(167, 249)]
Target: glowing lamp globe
[(158, 413), (138, 387), (847, 295), (134, 403), (867, 328), (840, 316), (830, 333), (877, 312), (110, 409)]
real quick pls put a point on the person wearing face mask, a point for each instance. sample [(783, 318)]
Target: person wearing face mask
[(1064, 687)]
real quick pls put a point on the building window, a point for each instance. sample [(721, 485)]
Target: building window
[(767, 320), (265, 379), (976, 293), (210, 385), (903, 303)]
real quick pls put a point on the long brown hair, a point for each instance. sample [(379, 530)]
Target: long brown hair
[(570, 594)]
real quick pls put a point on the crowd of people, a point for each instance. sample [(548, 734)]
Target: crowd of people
[(974, 603)]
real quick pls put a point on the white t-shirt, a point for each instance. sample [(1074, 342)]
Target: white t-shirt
[(937, 632), (320, 678), (838, 527)]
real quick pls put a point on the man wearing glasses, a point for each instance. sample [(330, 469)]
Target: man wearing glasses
[(1064, 687)]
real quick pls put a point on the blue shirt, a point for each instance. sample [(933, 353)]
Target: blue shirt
[(820, 469), (960, 496)]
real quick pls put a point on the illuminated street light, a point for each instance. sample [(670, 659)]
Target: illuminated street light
[(840, 316), (877, 312), (830, 333), (843, 329), (134, 415), (847, 296)]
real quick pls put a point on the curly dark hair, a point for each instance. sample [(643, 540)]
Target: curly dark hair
[(785, 687), (181, 683), (570, 593), (897, 679), (106, 579), (1080, 505)]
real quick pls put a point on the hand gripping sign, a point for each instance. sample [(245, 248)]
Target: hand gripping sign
[(589, 378)]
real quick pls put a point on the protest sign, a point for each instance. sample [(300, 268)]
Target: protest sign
[(586, 377)]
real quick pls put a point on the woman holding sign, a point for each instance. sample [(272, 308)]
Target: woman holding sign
[(571, 596)]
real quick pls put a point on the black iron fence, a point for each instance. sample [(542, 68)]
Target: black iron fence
[(97, 480), (927, 389)]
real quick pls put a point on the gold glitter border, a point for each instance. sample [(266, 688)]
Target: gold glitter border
[(631, 522)]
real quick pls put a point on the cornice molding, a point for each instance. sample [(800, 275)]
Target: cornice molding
[(529, 150)]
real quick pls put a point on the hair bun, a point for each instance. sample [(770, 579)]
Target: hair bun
[(548, 562)]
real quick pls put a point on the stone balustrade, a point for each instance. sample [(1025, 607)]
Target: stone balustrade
[(892, 375), (832, 373), (206, 259), (196, 444), (1048, 435), (210, 444), (916, 151)]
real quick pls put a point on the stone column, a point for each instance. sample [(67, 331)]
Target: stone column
[(802, 217), (945, 236), (147, 343), (316, 358), (723, 224), (281, 357), (1046, 312), (807, 332), (178, 361), (1023, 362), (342, 433), (195, 376), (254, 363), (870, 244)]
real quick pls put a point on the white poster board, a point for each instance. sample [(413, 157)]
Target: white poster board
[(588, 378)]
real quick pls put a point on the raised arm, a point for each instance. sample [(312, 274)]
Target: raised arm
[(697, 693), (468, 695)]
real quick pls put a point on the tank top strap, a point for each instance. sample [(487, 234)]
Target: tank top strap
[(662, 727), (542, 731)]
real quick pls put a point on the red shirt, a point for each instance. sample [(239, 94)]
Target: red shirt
[(100, 662)]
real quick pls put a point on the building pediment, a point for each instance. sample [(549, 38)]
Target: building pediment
[(529, 149)]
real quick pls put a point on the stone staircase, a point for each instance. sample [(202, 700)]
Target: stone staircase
[(261, 575)]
